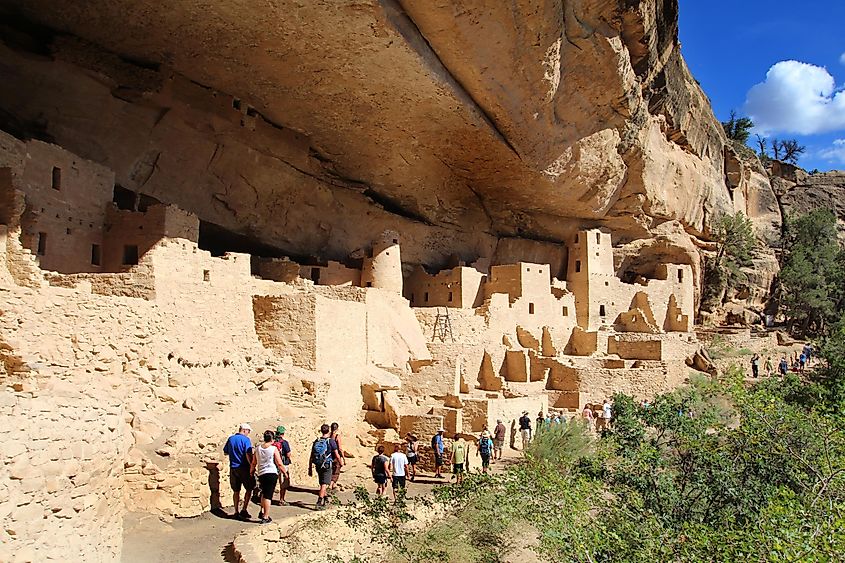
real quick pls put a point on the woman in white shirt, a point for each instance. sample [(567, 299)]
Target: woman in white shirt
[(268, 463)]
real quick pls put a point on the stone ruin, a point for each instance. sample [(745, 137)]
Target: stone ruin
[(130, 352)]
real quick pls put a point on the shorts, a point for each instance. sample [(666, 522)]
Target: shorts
[(241, 476), (458, 468), (285, 481), (485, 460), (398, 482), (380, 479), (324, 476), (335, 472), (498, 444), (267, 483), (438, 459), (412, 460)]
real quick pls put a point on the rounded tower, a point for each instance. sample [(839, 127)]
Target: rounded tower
[(384, 268)]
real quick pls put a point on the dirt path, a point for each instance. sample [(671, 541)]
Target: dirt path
[(208, 538)]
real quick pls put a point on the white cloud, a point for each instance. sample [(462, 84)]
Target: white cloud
[(836, 153), (842, 58), (797, 98)]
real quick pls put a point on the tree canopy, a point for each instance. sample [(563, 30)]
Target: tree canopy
[(738, 128)]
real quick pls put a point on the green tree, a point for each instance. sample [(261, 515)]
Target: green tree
[(738, 128), (812, 277), (735, 242)]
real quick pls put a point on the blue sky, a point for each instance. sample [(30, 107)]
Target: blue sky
[(781, 62)]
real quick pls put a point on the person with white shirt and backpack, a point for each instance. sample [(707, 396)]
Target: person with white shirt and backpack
[(268, 464)]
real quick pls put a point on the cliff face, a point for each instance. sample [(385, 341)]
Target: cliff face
[(312, 125)]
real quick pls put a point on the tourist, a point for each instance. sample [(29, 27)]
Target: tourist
[(808, 351), (381, 470), (459, 459), (541, 419), (587, 416), (398, 467), (525, 429), (437, 448), (241, 467), (768, 367), (556, 418), (485, 450), (335, 435), (268, 465), (284, 450), (802, 361), (499, 439), (324, 455), (607, 413), (783, 366), (411, 453), (755, 366)]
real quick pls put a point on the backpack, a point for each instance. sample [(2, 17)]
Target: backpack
[(321, 453), (484, 447)]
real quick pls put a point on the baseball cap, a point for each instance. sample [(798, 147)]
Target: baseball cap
[(280, 430)]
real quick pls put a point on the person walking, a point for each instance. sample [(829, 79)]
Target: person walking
[(324, 455), (335, 435), (587, 416), (438, 449), (525, 429), (268, 465), (284, 451), (783, 366), (459, 458), (607, 414), (802, 361), (380, 466), (499, 433), (411, 453), (485, 450), (768, 367), (399, 469), (540, 420), (241, 468), (755, 366)]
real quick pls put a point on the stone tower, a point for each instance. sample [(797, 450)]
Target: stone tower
[(384, 269), (589, 276)]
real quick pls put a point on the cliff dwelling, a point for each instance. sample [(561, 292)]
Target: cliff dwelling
[(339, 218)]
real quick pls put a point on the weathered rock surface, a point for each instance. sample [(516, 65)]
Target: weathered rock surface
[(456, 122), (801, 193)]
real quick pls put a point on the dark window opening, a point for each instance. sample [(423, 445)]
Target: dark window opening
[(602, 312), (96, 258), (206, 275), (531, 308), (598, 238), (236, 103), (426, 297), (42, 244), (566, 311), (315, 275), (450, 296), (130, 255), (576, 238), (396, 241), (57, 178), (251, 111), (124, 199), (67, 231), (577, 265), (680, 275), (606, 284), (369, 284), (146, 201)]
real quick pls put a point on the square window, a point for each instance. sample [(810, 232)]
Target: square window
[(566, 311), (130, 254)]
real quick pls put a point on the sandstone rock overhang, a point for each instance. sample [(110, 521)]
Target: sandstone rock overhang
[(471, 119)]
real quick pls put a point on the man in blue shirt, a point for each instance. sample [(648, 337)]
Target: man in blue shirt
[(437, 447), (241, 467)]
